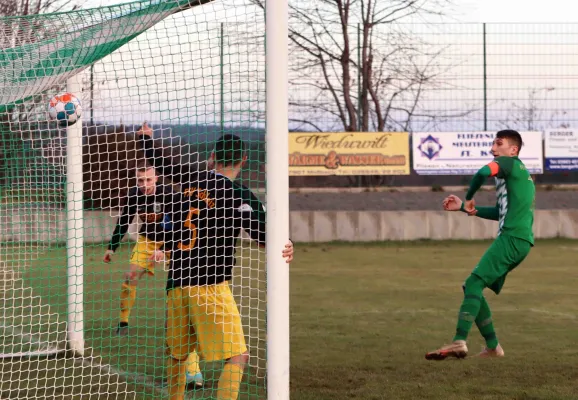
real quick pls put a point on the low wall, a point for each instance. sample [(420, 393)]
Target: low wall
[(46, 225), (362, 226), (305, 226)]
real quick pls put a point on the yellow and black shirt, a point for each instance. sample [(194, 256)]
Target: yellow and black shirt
[(151, 212), (207, 216)]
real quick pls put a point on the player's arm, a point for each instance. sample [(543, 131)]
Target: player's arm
[(491, 213), (172, 237), (480, 177), (489, 170), (500, 167), (179, 173), (253, 216), (123, 222), (172, 203)]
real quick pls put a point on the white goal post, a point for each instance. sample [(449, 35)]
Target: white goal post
[(75, 229), (277, 137)]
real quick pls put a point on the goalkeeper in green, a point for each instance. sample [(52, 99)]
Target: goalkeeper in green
[(514, 212)]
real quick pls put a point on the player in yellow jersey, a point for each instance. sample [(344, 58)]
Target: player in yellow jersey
[(208, 215), (146, 200)]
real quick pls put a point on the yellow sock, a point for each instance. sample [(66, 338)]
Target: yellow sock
[(193, 367), (230, 382), (127, 299), (176, 379)]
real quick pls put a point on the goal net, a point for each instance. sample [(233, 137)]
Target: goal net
[(72, 325)]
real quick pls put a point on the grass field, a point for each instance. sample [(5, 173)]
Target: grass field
[(362, 318)]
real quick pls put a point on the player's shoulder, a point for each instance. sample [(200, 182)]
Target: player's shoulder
[(220, 187), (248, 199), (164, 189), (133, 192), (506, 164), (243, 191), (512, 168), (518, 165), (195, 179), (213, 181)]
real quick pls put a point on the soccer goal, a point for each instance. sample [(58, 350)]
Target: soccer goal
[(181, 73)]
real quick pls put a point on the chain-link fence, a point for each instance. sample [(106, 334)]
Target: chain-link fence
[(383, 77), (433, 77)]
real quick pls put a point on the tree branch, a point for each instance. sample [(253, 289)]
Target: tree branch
[(318, 128)]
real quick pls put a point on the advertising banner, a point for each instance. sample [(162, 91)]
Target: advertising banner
[(464, 153), (561, 149), (348, 153)]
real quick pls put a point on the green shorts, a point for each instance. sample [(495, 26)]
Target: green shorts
[(505, 254)]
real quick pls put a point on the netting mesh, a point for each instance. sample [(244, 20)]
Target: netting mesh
[(193, 70)]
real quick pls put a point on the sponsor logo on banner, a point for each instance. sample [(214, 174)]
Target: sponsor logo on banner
[(348, 153), (464, 153), (561, 149), (430, 147)]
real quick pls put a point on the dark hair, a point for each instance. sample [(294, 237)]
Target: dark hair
[(143, 166), (229, 150), (512, 136)]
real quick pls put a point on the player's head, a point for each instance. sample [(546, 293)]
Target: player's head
[(507, 143), (229, 153), (146, 178)]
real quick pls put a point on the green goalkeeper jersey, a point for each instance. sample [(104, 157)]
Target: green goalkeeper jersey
[(516, 197)]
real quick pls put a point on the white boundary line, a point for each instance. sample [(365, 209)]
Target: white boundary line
[(44, 348), (129, 377), (49, 349)]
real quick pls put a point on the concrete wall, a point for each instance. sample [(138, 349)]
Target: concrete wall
[(46, 225), (306, 226), (325, 226)]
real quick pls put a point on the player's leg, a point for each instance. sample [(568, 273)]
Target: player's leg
[(485, 325), (180, 341), (194, 376), (231, 377), (513, 252), (502, 256), (176, 377), (140, 264), (220, 335), (473, 294), (128, 296), (473, 288)]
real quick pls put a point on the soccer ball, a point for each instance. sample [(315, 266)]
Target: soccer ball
[(65, 108)]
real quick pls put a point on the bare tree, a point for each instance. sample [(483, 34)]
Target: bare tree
[(360, 65), (9, 8), (532, 114)]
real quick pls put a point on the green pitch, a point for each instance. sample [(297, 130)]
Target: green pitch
[(362, 318), (130, 367)]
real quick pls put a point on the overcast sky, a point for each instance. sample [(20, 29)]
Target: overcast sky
[(514, 11), (520, 58), (483, 10)]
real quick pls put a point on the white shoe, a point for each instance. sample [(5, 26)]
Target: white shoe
[(490, 353), (457, 349)]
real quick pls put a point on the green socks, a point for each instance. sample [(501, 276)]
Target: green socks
[(470, 308), (485, 325)]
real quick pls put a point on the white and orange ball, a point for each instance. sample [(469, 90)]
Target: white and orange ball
[(65, 108)]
